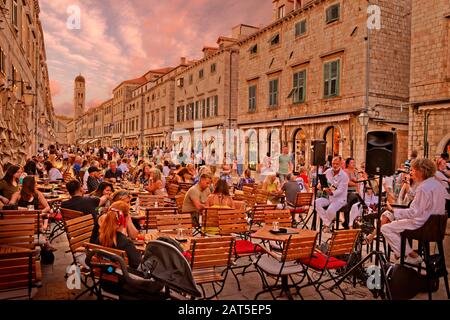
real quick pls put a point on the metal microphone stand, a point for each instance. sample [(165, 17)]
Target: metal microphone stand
[(380, 259), (314, 212)]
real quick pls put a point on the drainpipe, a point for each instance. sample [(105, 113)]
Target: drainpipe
[(425, 134)]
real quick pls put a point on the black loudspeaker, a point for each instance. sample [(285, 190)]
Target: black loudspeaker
[(381, 153), (318, 149)]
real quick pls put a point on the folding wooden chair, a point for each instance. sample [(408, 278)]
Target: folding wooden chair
[(261, 197), (172, 190), (283, 217), (302, 205), (257, 214), (19, 268), (179, 200), (210, 220), (79, 232), (149, 222), (25, 214), (341, 243), (283, 267), (148, 200), (101, 270), (209, 255), (171, 223), (234, 222)]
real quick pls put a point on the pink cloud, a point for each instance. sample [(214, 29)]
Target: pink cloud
[(120, 40)]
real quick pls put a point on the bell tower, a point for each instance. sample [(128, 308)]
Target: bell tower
[(79, 96)]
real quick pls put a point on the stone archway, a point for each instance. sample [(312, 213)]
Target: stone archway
[(442, 145)]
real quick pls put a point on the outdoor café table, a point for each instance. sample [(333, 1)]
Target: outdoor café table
[(265, 234), (58, 198), (155, 234)]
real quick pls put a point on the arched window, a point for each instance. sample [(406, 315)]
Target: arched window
[(299, 149), (252, 151), (332, 137)]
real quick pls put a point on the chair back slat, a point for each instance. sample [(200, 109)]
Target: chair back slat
[(172, 189), (17, 270), (97, 261), (261, 197), (304, 199), (179, 200), (172, 222), (283, 217), (342, 242), (79, 231), (24, 214), (148, 200), (233, 222), (299, 248), (149, 222), (18, 233), (211, 252), (258, 214), (68, 214)]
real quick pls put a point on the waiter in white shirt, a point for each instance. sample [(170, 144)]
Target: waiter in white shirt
[(429, 200), (337, 193)]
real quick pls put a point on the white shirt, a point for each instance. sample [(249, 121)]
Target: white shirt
[(54, 174), (429, 200), (123, 167), (85, 179), (340, 183), (443, 180)]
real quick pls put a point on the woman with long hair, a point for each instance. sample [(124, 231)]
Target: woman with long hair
[(221, 197), (156, 185), (145, 175), (10, 182), (30, 196), (53, 173), (104, 192), (113, 232)]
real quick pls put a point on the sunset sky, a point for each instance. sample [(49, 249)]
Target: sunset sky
[(120, 40)]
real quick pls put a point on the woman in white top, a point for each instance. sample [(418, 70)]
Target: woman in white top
[(53, 173), (156, 186)]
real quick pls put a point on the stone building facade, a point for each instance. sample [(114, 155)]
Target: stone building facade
[(429, 110), (303, 78), (26, 111)]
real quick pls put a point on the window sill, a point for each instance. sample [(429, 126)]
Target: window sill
[(332, 23), (301, 37), (275, 47), (336, 97)]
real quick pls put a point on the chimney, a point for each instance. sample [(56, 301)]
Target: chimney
[(182, 60), (281, 8)]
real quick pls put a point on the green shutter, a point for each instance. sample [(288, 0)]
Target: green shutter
[(338, 77)]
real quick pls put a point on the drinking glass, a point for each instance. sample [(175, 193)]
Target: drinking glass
[(275, 226)]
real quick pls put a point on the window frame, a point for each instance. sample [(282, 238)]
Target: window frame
[(300, 34), (329, 10), (296, 88), (273, 94), (329, 64), (272, 39), (252, 97)]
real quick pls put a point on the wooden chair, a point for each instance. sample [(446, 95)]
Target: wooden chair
[(179, 200), (185, 186), (148, 200), (210, 221), (257, 215), (209, 255), (302, 205), (79, 232), (261, 197), (248, 189), (341, 243), (149, 222), (171, 223), (282, 216), (70, 214), (172, 190), (19, 268), (283, 267), (24, 214), (104, 280), (234, 222)]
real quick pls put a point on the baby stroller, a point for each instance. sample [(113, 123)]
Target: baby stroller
[(163, 274)]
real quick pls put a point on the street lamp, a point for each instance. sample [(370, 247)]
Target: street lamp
[(364, 118)]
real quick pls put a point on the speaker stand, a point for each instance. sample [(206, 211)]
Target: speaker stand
[(313, 214)]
